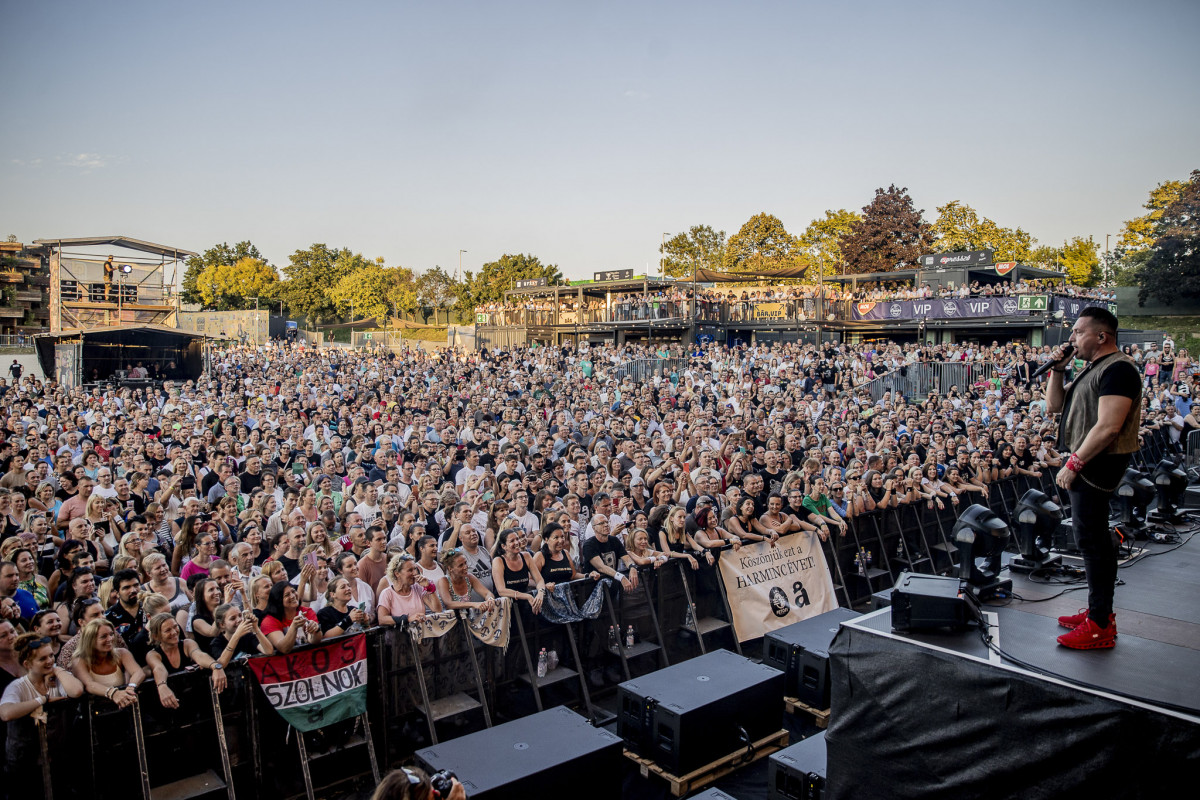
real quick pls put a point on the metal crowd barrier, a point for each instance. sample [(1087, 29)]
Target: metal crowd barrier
[(920, 378)]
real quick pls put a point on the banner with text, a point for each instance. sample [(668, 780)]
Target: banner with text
[(769, 311), (771, 587), (940, 308), (316, 686), (1073, 306)]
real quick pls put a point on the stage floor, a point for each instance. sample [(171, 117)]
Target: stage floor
[(1158, 597)]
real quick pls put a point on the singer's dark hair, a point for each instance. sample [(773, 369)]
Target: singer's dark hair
[(1102, 317)]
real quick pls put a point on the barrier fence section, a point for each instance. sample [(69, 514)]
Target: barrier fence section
[(236, 741), (920, 378)]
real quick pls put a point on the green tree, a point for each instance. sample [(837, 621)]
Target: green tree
[(403, 295), (763, 245), (700, 248), (437, 290), (362, 293), (1080, 259), (496, 277), (822, 240), (217, 254), (959, 227), (1140, 233), (228, 287), (892, 235), (310, 275), (1173, 268)]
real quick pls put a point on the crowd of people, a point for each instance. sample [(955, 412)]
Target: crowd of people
[(713, 302), (296, 494)]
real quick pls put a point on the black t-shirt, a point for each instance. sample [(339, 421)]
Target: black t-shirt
[(611, 551), (1106, 469)]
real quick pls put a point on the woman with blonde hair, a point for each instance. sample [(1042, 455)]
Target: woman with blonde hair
[(403, 596), (106, 671), (161, 581)]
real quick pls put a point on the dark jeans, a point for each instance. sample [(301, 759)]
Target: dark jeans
[(1089, 514)]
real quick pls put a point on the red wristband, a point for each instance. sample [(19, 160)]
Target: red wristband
[(1075, 463)]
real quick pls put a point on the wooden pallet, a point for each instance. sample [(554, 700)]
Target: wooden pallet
[(714, 770), (819, 716)]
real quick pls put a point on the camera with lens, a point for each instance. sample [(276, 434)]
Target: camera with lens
[(442, 782)]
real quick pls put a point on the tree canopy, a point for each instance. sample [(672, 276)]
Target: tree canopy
[(229, 287), (892, 234), (496, 277), (1080, 259), (220, 254), (1173, 268), (1139, 233), (700, 247), (959, 227), (311, 274), (374, 290), (822, 240), (761, 245)]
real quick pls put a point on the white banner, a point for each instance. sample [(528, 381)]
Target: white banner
[(772, 587)]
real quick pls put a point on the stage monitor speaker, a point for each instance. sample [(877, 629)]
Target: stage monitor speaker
[(801, 650), (687, 715), (928, 601), (798, 772), (549, 754)]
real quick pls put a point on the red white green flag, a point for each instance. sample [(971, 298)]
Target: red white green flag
[(316, 686)]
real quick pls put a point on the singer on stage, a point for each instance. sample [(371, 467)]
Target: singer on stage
[(1101, 410)]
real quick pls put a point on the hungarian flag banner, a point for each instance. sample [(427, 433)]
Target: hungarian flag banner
[(317, 686)]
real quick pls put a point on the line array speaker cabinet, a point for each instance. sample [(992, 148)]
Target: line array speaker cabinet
[(554, 753), (801, 650), (798, 772), (692, 713)]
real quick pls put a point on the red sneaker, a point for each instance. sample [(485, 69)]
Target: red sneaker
[(1090, 636), (1074, 621)]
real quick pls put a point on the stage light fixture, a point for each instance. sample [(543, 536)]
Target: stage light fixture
[(979, 533), (1169, 482), (1134, 493), (126, 268), (1037, 518)]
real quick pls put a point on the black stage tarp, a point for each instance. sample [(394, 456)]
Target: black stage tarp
[(939, 715)]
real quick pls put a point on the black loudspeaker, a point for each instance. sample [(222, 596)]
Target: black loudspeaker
[(798, 772), (801, 650), (692, 713), (928, 601), (550, 754)]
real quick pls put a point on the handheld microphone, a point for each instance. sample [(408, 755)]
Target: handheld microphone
[(1067, 352)]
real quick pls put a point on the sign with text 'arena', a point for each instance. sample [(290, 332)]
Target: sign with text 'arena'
[(940, 308), (967, 258)]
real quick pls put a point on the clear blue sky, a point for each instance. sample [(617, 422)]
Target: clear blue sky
[(579, 132)]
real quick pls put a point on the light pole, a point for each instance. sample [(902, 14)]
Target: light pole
[(257, 321), (662, 259), (459, 270)]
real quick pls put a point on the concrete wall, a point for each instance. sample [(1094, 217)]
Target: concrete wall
[(255, 325), (1127, 305)]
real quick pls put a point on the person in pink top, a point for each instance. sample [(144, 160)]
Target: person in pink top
[(407, 593)]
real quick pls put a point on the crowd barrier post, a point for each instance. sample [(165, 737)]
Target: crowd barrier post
[(457, 702), (832, 557), (561, 673), (623, 651), (139, 737), (44, 748)]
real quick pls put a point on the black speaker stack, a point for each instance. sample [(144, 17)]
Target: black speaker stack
[(801, 651), (798, 772), (554, 753), (695, 712)]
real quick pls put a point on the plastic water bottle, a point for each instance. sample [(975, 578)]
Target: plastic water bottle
[(541, 667), (612, 638), (629, 637)]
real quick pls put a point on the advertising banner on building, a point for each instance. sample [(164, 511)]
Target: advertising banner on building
[(769, 311), (939, 308), (966, 258), (316, 686), (1073, 306), (772, 587)]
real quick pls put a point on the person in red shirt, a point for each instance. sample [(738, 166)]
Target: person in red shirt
[(286, 623)]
